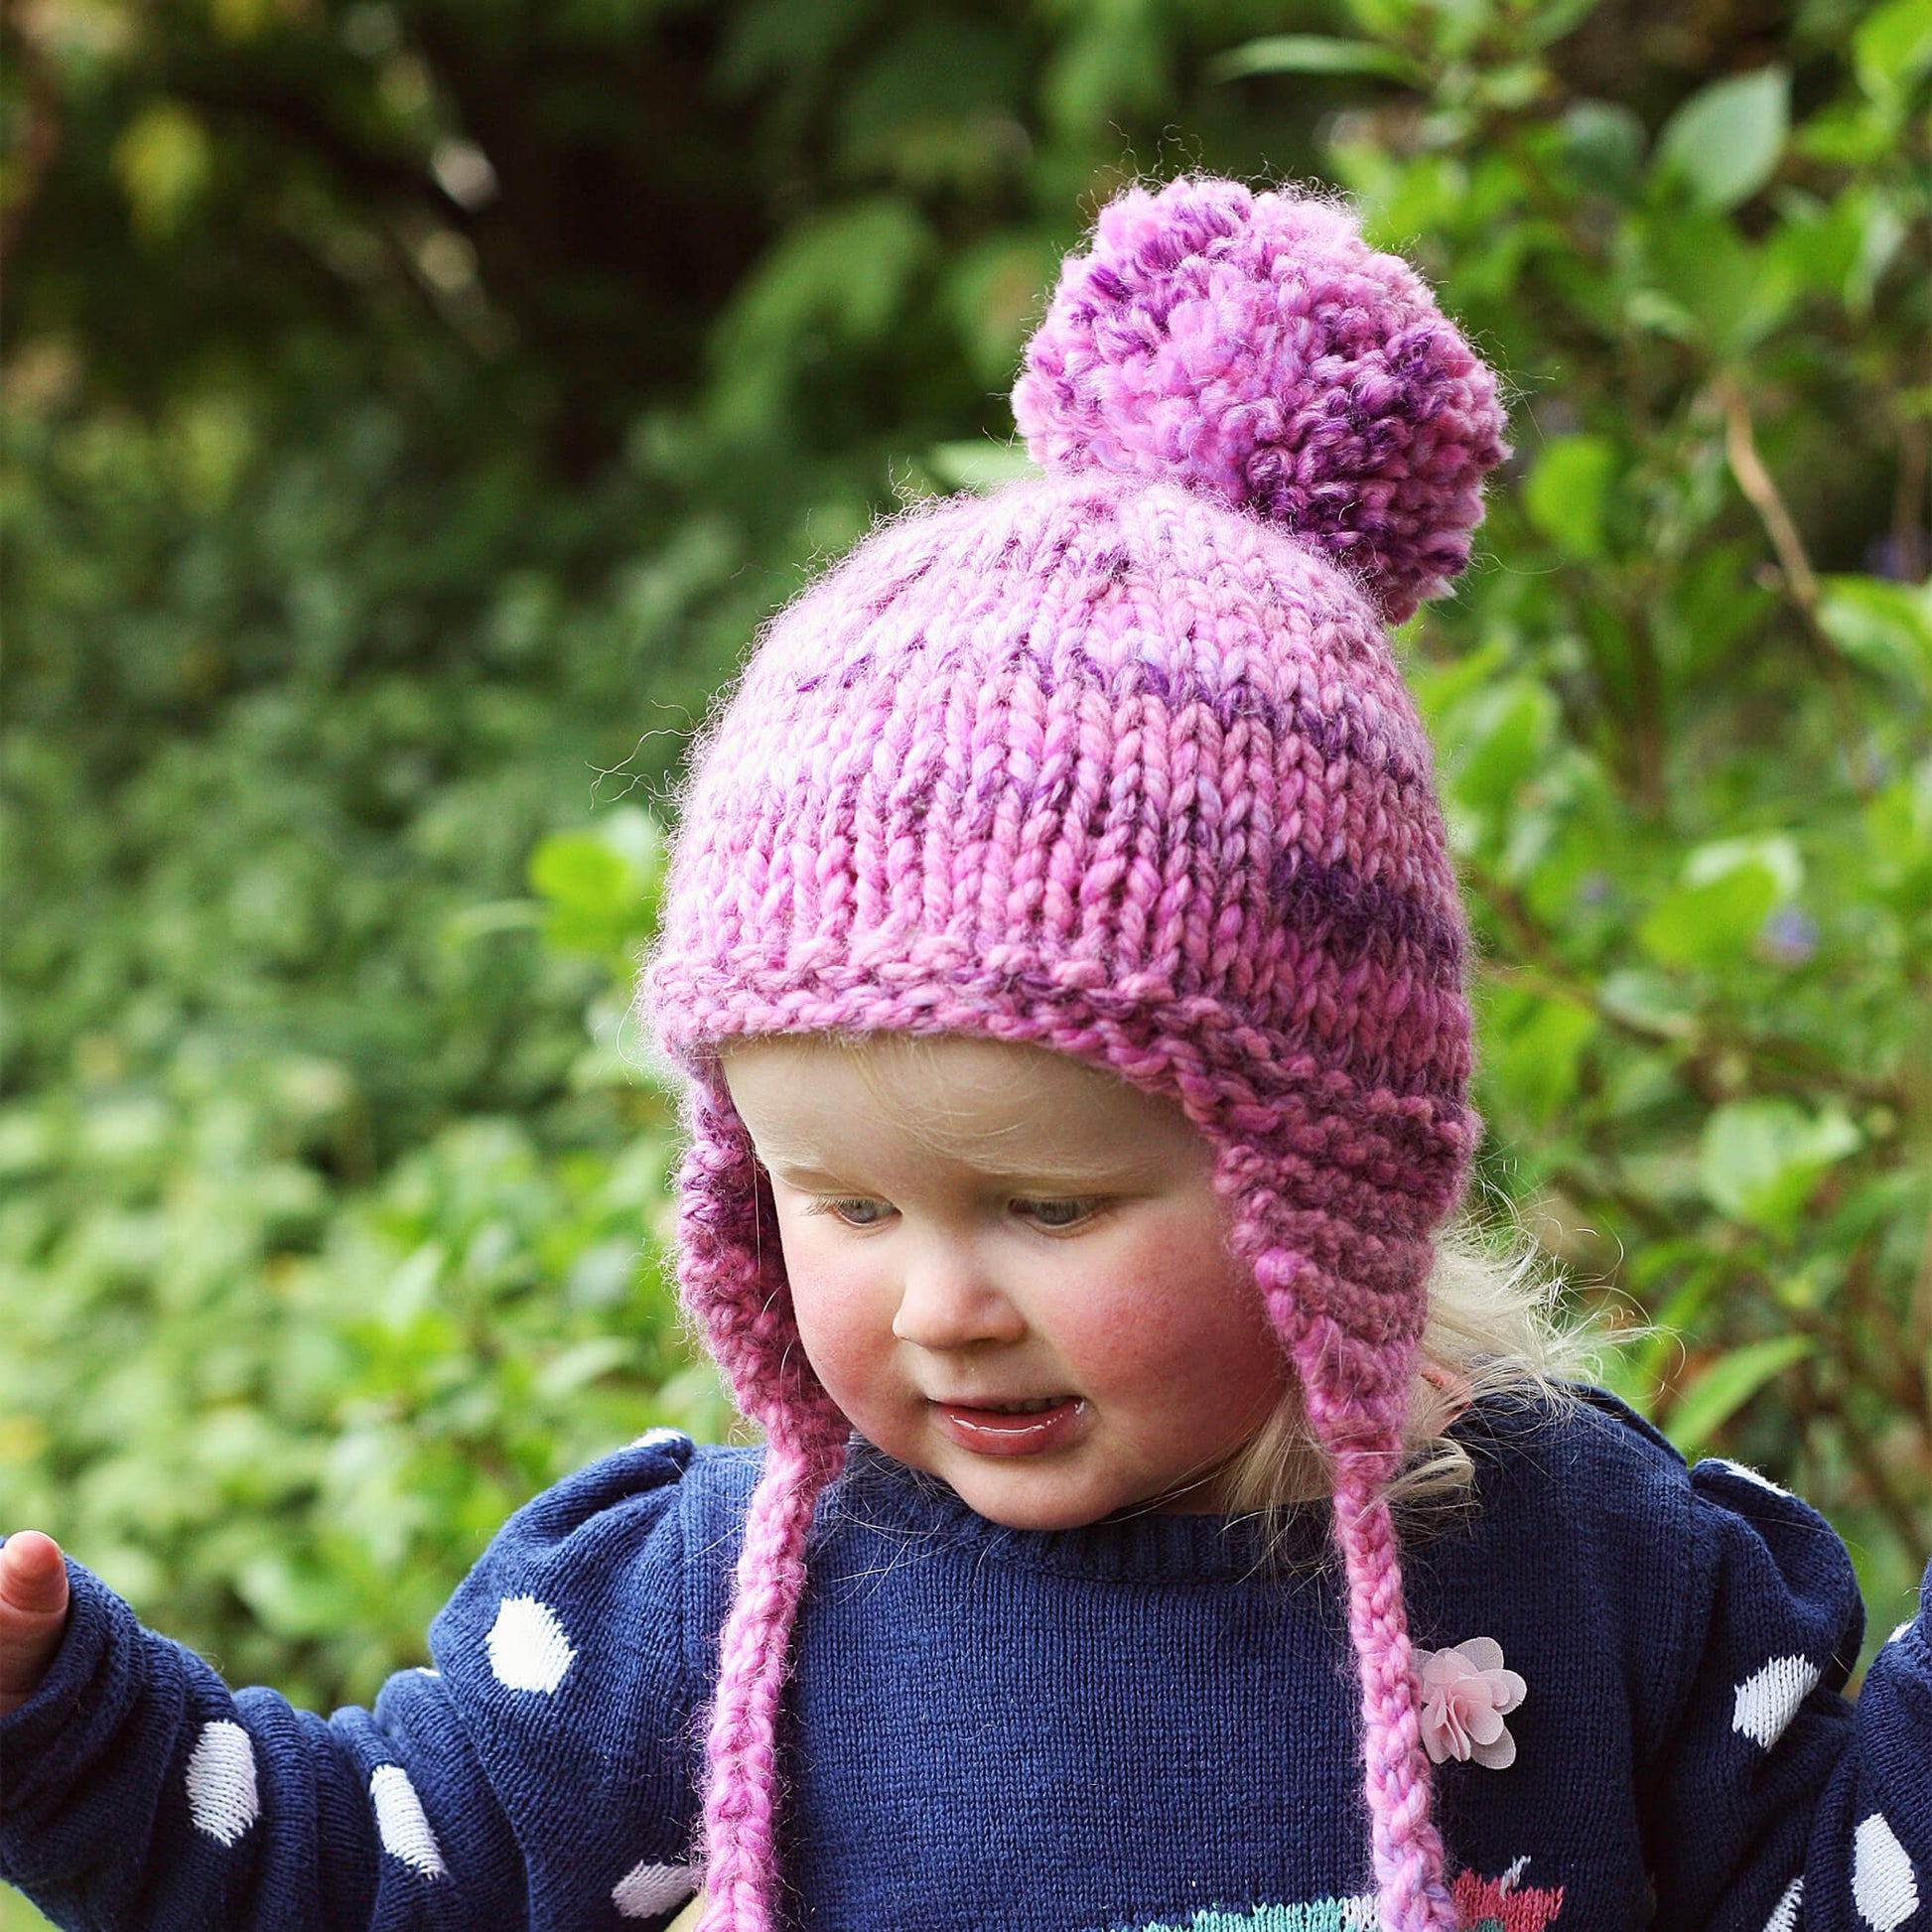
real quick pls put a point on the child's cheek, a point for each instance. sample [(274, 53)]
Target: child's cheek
[(1117, 1331), (1177, 1323), (844, 1323)]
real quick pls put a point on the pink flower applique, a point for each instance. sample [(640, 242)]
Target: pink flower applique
[(1465, 1694)]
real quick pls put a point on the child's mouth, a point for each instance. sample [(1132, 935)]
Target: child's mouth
[(1015, 1428)]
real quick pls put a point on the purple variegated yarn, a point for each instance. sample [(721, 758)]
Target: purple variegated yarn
[(1256, 345), (1118, 762)]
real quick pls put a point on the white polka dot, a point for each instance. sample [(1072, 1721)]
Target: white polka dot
[(221, 1792), (1750, 1475), (661, 1438), (1768, 1698), (647, 1890), (399, 1821), (528, 1650), (1881, 1875), (1900, 1633), (1784, 1915)]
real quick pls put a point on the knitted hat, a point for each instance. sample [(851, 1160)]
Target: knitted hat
[(1118, 762)]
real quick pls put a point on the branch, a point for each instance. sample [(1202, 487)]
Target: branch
[(1918, 1313), (40, 143), (1898, 1511), (1548, 974), (1800, 579), (1741, 446), (1888, 1364)]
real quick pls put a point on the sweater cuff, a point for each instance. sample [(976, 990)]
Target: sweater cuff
[(82, 1683)]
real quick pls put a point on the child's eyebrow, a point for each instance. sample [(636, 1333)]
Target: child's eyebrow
[(802, 1176), (1053, 1171)]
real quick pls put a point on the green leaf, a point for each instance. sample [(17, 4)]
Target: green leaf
[(1892, 48), (1897, 827), (1440, 688), (584, 1362), (1387, 20), (1556, 19), (1311, 54), (1532, 1049), (1723, 1387), (1885, 626), (1499, 737), (775, 42), (1848, 134), (980, 466), (1567, 490), (1760, 1159), (1730, 888), (602, 883), (1772, 851), (1840, 249), (1627, 1373), (578, 871), (1604, 143), (293, 1598), (1652, 1003), (492, 916), (164, 159), (995, 291), (1736, 293), (1710, 924), (1724, 144), (841, 277), (1114, 63)]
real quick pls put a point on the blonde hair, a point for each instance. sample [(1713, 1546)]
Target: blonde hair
[(1497, 1329)]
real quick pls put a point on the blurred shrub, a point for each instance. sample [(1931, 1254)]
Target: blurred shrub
[(286, 1409), (409, 421)]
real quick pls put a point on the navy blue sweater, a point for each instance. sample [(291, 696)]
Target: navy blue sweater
[(1128, 1725)]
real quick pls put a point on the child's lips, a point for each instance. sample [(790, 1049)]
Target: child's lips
[(1009, 1431)]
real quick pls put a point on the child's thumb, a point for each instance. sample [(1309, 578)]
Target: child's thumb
[(33, 1579)]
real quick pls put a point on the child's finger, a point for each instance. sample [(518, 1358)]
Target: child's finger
[(33, 1579)]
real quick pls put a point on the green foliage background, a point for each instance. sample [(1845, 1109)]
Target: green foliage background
[(413, 409)]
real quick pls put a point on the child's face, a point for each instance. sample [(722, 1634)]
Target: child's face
[(969, 1224)]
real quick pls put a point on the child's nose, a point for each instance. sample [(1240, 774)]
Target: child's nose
[(949, 1300)]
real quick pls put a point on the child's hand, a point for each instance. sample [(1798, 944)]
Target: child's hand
[(33, 1612)]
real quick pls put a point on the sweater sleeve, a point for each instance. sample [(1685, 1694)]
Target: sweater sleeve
[(1774, 1804), (534, 1777)]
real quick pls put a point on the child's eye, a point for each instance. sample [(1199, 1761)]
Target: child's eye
[(1058, 1213), (855, 1211)]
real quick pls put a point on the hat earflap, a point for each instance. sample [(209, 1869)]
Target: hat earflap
[(1356, 1400), (732, 1273)]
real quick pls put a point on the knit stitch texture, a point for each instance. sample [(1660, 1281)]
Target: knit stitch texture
[(1119, 763), (1120, 1727)]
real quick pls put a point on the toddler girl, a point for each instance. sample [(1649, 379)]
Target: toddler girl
[(1065, 961)]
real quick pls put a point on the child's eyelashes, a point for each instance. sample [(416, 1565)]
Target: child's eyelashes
[(1058, 1214), (1053, 1216), (853, 1212)]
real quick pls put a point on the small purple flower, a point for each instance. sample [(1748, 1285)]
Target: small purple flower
[(1789, 937)]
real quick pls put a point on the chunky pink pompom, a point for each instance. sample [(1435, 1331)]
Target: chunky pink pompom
[(1255, 346)]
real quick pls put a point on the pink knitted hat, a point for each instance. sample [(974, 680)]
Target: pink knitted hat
[(1118, 762)]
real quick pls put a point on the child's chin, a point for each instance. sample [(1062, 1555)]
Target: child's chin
[(1029, 1501)]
